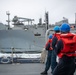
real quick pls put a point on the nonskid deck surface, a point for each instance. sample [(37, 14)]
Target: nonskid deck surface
[(23, 69)]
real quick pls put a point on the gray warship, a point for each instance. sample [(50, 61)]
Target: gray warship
[(24, 42)]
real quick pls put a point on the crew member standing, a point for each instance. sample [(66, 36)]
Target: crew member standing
[(48, 47), (56, 36), (65, 50)]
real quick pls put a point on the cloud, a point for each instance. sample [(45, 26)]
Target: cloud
[(36, 8)]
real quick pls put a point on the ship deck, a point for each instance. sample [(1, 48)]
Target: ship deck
[(23, 69)]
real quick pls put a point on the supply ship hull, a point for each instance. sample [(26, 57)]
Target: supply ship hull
[(20, 46)]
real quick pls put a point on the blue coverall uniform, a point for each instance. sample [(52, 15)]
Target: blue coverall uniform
[(53, 59), (48, 62)]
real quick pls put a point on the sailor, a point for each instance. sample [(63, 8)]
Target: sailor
[(65, 50), (56, 36), (48, 47)]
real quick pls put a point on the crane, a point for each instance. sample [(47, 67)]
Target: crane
[(19, 20)]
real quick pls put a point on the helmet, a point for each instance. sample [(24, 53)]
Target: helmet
[(50, 36), (65, 27), (56, 28)]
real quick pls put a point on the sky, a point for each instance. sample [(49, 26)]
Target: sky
[(36, 9)]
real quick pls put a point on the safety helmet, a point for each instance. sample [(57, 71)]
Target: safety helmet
[(56, 28), (50, 36), (65, 27)]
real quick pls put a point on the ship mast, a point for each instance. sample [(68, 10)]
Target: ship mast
[(7, 13), (46, 20)]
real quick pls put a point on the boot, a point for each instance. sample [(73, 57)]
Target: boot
[(44, 73)]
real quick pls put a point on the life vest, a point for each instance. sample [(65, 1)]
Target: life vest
[(69, 45), (49, 44), (57, 35)]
